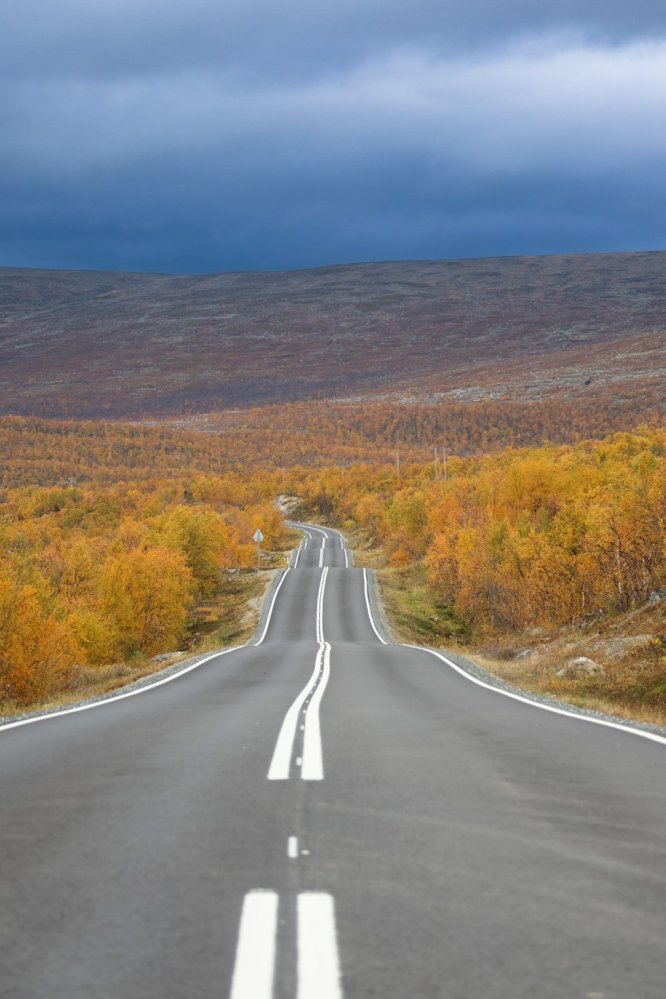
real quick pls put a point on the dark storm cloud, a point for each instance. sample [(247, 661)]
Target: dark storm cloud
[(203, 136)]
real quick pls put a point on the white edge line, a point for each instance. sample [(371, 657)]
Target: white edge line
[(270, 609), (367, 604), (149, 686), (652, 736), (318, 962), (313, 765), (119, 697), (254, 968)]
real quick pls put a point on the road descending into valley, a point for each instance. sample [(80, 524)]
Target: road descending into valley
[(325, 814)]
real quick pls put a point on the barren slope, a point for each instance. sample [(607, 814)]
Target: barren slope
[(90, 344)]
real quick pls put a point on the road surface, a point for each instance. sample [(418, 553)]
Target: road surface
[(324, 815)]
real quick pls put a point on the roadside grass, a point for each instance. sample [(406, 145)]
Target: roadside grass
[(413, 611), (364, 548), (631, 685)]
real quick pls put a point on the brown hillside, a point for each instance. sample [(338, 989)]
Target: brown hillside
[(89, 344)]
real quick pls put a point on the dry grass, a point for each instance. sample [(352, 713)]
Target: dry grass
[(364, 548), (630, 649)]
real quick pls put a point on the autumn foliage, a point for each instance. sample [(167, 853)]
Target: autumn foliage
[(93, 575), (544, 536), (111, 535)]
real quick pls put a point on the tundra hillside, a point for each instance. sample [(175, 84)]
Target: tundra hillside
[(85, 344)]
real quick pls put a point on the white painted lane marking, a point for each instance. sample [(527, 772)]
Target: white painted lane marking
[(367, 604), (329, 534), (118, 697), (270, 609), (318, 962), (255, 953), (281, 759), (342, 545), (292, 847), (652, 736), (313, 764), (280, 764), (320, 607)]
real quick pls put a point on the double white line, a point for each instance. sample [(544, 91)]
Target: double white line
[(318, 967), (306, 706), (325, 538)]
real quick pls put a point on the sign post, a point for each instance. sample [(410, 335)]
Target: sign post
[(258, 537)]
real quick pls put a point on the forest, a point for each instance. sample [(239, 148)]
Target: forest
[(113, 535), (91, 576), (524, 536), (313, 434)]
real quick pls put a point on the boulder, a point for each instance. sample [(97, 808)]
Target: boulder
[(615, 647), (580, 666), (164, 657)]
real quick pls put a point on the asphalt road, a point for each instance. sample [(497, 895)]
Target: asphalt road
[(323, 815)]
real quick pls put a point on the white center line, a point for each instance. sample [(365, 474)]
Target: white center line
[(255, 953), (318, 964), (320, 608), (307, 702), (313, 763), (292, 847)]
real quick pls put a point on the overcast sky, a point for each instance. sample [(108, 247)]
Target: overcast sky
[(215, 135)]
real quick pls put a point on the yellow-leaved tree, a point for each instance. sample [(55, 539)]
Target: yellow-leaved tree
[(146, 596)]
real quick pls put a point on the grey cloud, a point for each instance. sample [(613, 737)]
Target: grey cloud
[(577, 107), (207, 136), (262, 39)]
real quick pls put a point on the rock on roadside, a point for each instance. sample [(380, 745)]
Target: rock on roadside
[(580, 666)]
